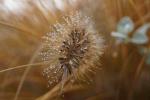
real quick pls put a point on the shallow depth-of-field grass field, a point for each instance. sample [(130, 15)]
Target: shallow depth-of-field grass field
[(74, 49)]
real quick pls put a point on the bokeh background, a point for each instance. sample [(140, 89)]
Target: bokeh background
[(124, 74)]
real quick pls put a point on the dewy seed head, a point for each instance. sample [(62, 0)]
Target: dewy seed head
[(73, 48)]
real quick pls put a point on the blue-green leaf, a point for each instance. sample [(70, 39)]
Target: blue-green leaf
[(125, 25), (140, 36), (119, 35)]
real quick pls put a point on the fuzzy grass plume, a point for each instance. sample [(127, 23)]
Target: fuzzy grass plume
[(73, 48)]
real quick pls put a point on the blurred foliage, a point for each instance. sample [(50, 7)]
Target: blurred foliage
[(125, 71)]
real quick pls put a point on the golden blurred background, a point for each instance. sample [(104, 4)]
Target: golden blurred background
[(124, 73)]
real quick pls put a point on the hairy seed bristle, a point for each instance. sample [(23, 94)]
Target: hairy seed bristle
[(73, 47)]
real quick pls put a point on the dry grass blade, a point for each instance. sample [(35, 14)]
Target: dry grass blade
[(71, 91), (36, 53), (23, 66)]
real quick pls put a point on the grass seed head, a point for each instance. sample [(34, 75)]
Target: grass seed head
[(73, 47)]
